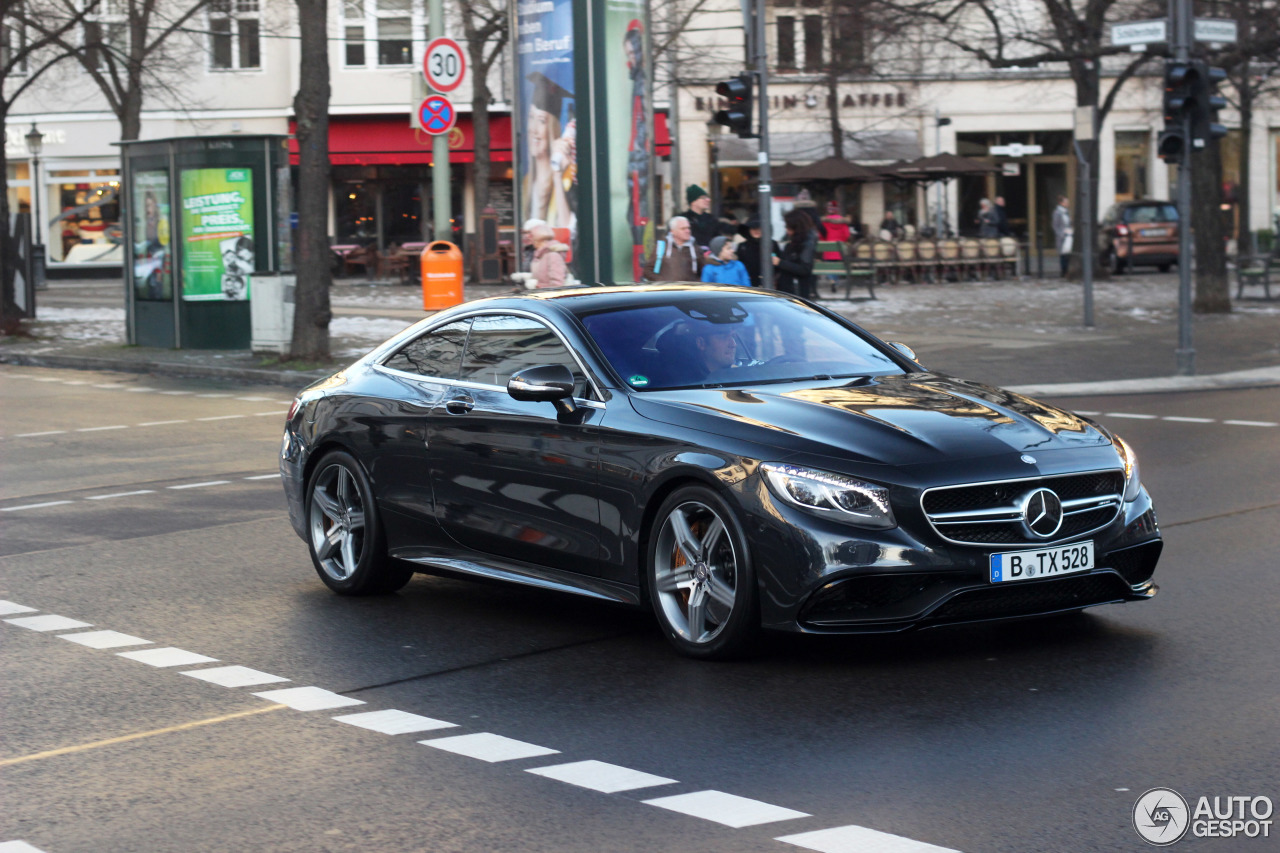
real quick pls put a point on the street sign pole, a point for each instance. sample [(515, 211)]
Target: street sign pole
[(1180, 23), (765, 189), (443, 227)]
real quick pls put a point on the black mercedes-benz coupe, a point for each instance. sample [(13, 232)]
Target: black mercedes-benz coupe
[(736, 459)]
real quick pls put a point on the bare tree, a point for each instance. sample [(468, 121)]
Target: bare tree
[(311, 112), (30, 31), (485, 23), (1071, 33)]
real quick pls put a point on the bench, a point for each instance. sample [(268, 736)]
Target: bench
[(851, 270), (1253, 270)]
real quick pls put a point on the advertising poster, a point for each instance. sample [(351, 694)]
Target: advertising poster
[(152, 258), (217, 230), (629, 123), (548, 167)]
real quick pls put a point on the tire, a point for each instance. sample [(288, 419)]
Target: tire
[(703, 591), (1163, 267), (1114, 262), (344, 533)]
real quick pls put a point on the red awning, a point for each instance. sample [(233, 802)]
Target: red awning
[(390, 141)]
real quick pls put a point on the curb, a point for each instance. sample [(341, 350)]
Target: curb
[(1260, 377), (287, 378)]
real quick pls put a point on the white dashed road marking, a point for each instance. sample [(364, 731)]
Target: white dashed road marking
[(221, 418), (38, 434), (161, 423), (121, 495), (308, 698), (102, 428), (489, 747), (727, 809), (1131, 415), (264, 477), (200, 485), (1251, 423), (104, 639), (602, 777), (393, 722), (18, 847), (859, 839), (8, 608), (168, 656), (139, 390), (48, 623), (34, 506), (234, 676), (1186, 420)]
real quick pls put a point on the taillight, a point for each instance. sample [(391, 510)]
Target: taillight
[(293, 409), (1122, 230)]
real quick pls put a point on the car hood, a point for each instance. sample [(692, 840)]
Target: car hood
[(893, 420)]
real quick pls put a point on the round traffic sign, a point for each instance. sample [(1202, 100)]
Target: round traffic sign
[(444, 64), (437, 115)]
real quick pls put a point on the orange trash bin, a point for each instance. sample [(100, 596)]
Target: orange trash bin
[(441, 276)]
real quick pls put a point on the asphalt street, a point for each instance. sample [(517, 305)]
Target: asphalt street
[(149, 508)]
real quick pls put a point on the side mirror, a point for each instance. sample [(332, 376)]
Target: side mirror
[(546, 383), (905, 350)]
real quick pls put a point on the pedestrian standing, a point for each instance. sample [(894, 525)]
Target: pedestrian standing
[(548, 268), (677, 258), (526, 241), (702, 222), (1002, 214), (723, 266), (1062, 233), (795, 265), (988, 220), (749, 251)]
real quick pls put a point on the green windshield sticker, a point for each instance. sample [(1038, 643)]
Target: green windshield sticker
[(639, 380)]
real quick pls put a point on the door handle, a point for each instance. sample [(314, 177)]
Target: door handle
[(459, 405)]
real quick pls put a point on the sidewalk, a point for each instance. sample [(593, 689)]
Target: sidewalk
[(1026, 335)]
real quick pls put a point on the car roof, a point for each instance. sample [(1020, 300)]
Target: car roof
[(581, 299)]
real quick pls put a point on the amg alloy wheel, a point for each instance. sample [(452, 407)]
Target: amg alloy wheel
[(344, 532), (700, 576)]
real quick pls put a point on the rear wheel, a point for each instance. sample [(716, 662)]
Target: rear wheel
[(1114, 262), (1163, 267), (700, 577), (344, 532)]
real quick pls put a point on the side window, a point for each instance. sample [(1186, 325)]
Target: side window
[(501, 344), (436, 353)]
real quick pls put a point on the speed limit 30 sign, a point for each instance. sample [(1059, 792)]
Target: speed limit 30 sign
[(444, 64)]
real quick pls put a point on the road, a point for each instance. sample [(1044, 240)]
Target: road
[(149, 508)]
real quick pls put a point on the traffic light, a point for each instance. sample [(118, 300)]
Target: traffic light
[(1170, 145), (1204, 116), (737, 117), (1180, 83)]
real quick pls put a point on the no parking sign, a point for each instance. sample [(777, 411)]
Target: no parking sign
[(437, 115)]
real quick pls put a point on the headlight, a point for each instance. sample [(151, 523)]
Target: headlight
[(1132, 477), (831, 495)]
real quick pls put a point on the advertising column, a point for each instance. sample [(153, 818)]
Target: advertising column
[(217, 233), (628, 146), (545, 118)]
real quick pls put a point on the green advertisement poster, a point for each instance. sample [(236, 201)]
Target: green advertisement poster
[(217, 234), (629, 122)]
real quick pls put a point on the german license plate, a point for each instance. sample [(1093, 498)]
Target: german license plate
[(1155, 232), (1043, 563)]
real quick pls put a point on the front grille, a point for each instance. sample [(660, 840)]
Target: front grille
[(1137, 564), (861, 597), (1031, 597), (990, 513)]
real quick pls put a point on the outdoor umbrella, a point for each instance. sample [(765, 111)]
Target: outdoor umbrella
[(782, 173), (940, 167), (833, 169)]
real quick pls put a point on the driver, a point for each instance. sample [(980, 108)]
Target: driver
[(717, 348)]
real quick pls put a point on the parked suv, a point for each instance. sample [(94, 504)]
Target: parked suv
[(1139, 232)]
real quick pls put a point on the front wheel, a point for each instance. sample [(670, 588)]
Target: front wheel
[(344, 532), (700, 577), (1115, 262)]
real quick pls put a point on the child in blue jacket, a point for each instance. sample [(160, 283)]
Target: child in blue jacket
[(723, 266)]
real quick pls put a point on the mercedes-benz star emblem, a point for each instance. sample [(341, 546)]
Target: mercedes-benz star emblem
[(1042, 513)]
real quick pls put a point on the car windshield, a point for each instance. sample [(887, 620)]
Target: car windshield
[(702, 340)]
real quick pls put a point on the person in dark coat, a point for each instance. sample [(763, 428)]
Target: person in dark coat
[(749, 250), (795, 265), (1002, 216), (703, 222)]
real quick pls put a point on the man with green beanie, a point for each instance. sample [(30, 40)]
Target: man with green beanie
[(701, 219)]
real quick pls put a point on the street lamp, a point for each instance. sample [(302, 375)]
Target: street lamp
[(35, 144)]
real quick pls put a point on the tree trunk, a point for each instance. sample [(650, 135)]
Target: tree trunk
[(1213, 292), (311, 113), (480, 122)]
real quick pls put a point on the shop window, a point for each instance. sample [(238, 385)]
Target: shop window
[(234, 34), (1132, 158), (87, 229)]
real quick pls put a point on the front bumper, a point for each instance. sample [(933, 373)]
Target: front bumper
[(819, 576)]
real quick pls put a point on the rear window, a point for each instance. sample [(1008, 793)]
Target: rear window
[(1151, 213)]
